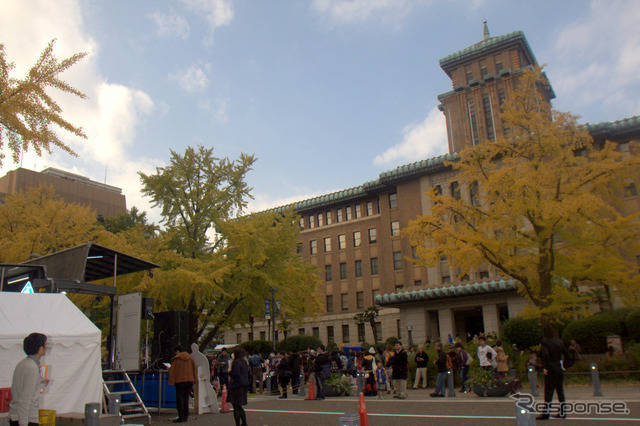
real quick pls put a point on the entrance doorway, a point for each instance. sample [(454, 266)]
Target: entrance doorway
[(469, 323)]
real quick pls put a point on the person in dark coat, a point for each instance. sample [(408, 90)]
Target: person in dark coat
[(295, 363), (399, 362), (552, 353), (284, 373), (322, 370), (239, 386), (441, 365)]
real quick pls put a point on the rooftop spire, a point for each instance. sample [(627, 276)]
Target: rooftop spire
[(485, 31)]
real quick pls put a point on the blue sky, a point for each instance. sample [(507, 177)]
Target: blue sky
[(326, 93)]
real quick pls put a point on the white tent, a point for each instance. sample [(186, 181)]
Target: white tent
[(73, 357)]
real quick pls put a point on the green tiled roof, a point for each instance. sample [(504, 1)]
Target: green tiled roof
[(386, 178), (485, 46), (461, 290), (611, 129)]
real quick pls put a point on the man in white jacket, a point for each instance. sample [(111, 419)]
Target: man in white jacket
[(26, 383)]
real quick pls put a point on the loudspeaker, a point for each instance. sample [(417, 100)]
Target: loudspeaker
[(169, 330), (147, 308)]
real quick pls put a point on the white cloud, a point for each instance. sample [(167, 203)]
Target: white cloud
[(170, 25), (596, 60), (347, 12), (193, 79), (110, 116), (216, 13), (221, 110), (420, 141)]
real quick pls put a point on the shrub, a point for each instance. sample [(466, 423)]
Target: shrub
[(332, 346), (633, 325), (633, 355), (524, 333), (391, 341), (261, 346), (591, 332), (301, 343)]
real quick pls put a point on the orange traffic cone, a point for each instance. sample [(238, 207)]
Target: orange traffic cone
[(362, 410), (312, 391), (225, 405)]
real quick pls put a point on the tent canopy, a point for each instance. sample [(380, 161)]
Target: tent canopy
[(89, 262), (73, 357)]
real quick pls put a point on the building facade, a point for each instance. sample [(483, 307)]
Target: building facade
[(354, 236), (106, 200)]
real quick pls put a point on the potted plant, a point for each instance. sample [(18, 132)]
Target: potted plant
[(486, 382), (336, 385)]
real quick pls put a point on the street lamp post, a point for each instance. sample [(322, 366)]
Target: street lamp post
[(409, 330), (273, 292)]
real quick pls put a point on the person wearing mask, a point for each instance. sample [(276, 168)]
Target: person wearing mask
[(421, 367), (239, 385), (183, 374), (26, 383)]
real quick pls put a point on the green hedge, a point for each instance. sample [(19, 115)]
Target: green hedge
[(524, 333), (300, 343), (591, 332), (633, 325)]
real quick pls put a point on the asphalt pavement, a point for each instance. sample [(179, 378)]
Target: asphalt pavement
[(420, 409)]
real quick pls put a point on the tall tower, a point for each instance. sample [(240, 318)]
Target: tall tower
[(483, 76)]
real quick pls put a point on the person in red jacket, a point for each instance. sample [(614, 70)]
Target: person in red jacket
[(182, 373)]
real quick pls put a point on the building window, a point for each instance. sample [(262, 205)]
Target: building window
[(345, 333), (328, 273), (399, 329), (474, 192), (473, 121), (488, 118), (312, 221), (393, 200), (369, 208), (417, 283), (630, 190), (399, 287), (483, 275), (361, 338), (455, 190), (374, 293), (329, 220), (356, 239), (484, 72), (251, 336), (358, 267), (437, 190), (379, 329), (397, 260), (343, 271), (373, 238), (446, 279), (348, 210), (329, 303), (330, 336), (313, 246), (263, 335), (360, 299), (342, 241), (327, 244), (469, 77), (301, 332), (301, 223), (374, 266), (320, 219), (499, 67), (395, 229), (339, 215), (315, 331), (238, 337), (358, 211), (344, 300)]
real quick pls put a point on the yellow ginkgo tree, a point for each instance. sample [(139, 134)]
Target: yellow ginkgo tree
[(548, 212)]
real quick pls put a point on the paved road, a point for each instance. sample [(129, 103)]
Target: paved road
[(418, 409)]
